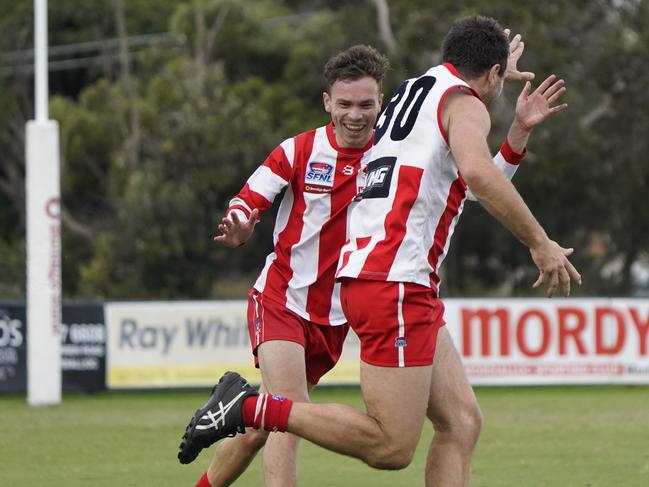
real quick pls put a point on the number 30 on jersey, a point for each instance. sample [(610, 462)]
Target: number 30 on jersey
[(379, 171)]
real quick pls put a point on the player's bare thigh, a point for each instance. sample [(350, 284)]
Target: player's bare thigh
[(283, 369), (397, 397), (451, 397)]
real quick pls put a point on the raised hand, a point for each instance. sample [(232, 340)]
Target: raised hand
[(516, 48), (533, 108), (235, 232)]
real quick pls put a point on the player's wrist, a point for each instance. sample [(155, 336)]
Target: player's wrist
[(520, 124), (241, 213), (511, 155), (538, 242)]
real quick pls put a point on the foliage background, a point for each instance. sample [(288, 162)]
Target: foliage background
[(164, 118)]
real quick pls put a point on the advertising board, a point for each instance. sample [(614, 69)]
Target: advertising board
[(502, 342)]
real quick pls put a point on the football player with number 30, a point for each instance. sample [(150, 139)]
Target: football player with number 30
[(296, 299)]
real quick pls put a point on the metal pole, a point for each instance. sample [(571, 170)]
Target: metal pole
[(40, 64)]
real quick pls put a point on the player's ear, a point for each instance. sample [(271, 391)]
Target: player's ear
[(380, 101), (326, 99), (494, 73)]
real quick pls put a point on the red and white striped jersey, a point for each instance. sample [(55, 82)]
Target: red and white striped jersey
[(401, 223), (321, 180)]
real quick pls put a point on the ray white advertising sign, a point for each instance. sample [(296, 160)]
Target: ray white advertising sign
[(186, 343)]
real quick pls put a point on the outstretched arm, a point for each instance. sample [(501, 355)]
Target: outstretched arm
[(468, 126), (256, 196)]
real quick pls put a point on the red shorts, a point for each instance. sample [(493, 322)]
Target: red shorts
[(269, 320), (397, 322)]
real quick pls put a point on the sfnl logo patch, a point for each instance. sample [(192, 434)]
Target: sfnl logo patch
[(320, 174)]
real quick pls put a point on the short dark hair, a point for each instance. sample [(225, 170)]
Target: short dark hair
[(356, 63), (475, 44)]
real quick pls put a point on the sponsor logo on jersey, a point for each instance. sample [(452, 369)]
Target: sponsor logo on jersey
[(379, 176), (317, 189), (320, 174), (400, 342)]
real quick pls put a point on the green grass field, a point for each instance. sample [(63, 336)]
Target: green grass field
[(537, 436)]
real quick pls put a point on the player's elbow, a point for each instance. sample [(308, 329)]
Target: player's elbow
[(473, 177), (478, 179)]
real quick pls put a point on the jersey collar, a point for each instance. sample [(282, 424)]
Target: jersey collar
[(452, 69)]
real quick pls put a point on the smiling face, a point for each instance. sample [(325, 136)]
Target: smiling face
[(354, 106)]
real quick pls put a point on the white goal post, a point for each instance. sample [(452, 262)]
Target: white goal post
[(43, 252)]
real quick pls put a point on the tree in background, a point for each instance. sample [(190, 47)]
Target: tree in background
[(157, 137)]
